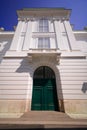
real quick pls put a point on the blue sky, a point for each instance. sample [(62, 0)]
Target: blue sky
[(8, 15)]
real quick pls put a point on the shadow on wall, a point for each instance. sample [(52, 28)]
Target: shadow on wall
[(25, 66), (4, 47), (84, 87)]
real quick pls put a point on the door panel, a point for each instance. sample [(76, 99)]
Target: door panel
[(44, 95), (37, 95), (44, 91)]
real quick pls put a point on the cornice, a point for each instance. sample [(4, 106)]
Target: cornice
[(80, 32), (48, 12), (4, 33)]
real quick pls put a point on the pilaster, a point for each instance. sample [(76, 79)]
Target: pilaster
[(58, 33), (16, 36), (70, 36), (28, 36), (22, 36)]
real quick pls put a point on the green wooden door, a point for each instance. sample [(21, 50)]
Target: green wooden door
[(44, 93)]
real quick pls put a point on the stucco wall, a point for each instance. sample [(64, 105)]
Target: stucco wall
[(81, 38), (16, 82)]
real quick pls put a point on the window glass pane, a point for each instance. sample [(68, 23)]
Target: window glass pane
[(40, 29), (45, 29), (40, 22), (43, 43), (43, 25), (45, 22), (40, 43)]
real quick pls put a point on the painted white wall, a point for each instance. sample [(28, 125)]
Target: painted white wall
[(71, 39), (16, 78), (81, 38), (65, 43), (28, 36), (51, 26), (16, 38), (22, 36), (35, 25), (52, 43), (5, 43)]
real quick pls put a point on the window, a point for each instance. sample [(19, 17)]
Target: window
[(43, 25), (43, 43)]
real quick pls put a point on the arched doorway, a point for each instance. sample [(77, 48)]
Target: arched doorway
[(44, 95)]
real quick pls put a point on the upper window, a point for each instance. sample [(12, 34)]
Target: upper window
[(43, 43), (43, 25)]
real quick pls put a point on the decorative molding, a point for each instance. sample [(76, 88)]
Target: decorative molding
[(34, 18), (58, 58), (39, 34)]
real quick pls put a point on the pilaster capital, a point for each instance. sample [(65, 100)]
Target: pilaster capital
[(25, 19), (56, 19), (31, 19), (65, 19), (19, 19)]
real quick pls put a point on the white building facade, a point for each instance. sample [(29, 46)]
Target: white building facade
[(43, 64)]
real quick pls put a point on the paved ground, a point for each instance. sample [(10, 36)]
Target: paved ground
[(43, 120)]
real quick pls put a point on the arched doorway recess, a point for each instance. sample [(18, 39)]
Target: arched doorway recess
[(44, 95)]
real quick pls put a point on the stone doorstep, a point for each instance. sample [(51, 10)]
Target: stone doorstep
[(42, 124), (11, 115), (18, 115), (78, 116), (24, 122)]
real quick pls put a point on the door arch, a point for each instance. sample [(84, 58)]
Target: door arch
[(44, 96)]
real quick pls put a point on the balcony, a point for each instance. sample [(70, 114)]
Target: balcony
[(44, 53)]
